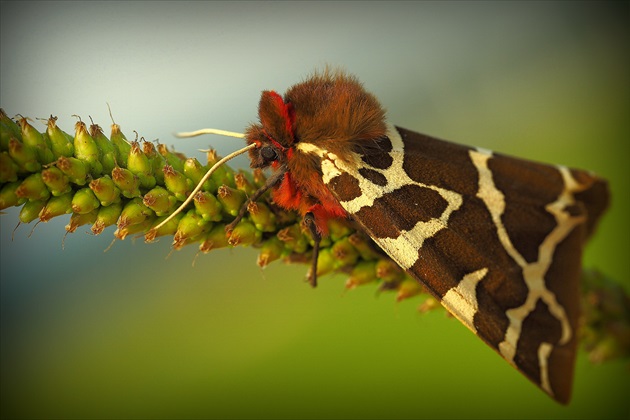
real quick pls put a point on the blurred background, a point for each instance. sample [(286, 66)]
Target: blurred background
[(138, 332)]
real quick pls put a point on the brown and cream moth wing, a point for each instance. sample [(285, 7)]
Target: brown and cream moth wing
[(497, 239)]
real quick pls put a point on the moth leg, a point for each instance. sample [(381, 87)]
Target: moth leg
[(271, 182), (309, 221)]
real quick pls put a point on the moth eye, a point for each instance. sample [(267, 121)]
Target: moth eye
[(268, 153)]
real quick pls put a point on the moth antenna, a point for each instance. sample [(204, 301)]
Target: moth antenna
[(210, 131), (200, 183), (109, 108)]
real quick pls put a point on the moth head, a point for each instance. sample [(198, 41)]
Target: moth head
[(330, 109)]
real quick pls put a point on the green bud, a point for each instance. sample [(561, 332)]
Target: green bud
[(429, 304), (8, 197), (262, 217), (244, 233), (196, 171), (325, 262), (34, 139), (56, 181), (167, 230), (208, 206), (24, 156), (127, 182), (10, 127), (177, 183), (366, 248), (76, 170), (145, 225), (388, 271), (107, 148), (345, 254), (84, 201), (157, 161), (363, 273), (56, 206), (60, 141), (293, 238), (30, 210), (33, 188), (215, 239), (8, 168), (133, 212), (408, 288), (105, 190), (160, 201), (77, 220), (244, 183), (223, 175), (138, 163), (85, 149), (106, 216), (339, 228), (271, 250), (190, 226), (231, 199), (173, 159), (122, 146)]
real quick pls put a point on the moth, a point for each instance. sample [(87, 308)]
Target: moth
[(496, 239)]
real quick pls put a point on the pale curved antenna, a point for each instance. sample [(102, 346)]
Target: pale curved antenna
[(204, 179), (210, 131)]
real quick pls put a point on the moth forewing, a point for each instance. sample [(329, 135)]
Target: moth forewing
[(497, 239)]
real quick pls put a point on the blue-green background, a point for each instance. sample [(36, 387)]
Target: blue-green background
[(137, 333)]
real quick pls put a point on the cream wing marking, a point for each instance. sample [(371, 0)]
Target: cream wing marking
[(533, 273), (404, 248), (462, 299)]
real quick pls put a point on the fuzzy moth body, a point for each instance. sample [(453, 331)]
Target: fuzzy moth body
[(498, 240)]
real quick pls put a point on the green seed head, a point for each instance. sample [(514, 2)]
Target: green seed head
[(294, 240), (138, 163), (106, 147), (56, 181), (105, 190), (178, 184), (127, 182), (196, 171), (208, 206), (271, 250), (77, 220), (33, 188), (8, 168), (30, 210), (345, 254), (60, 141), (85, 149), (56, 206), (262, 217), (121, 145), (24, 156), (362, 273), (133, 212), (171, 158), (160, 201), (84, 201), (75, 169), (215, 239), (34, 139), (231, 199), (106, 216), (244, 233), (223, 175), (189, 227), (8, 197)]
